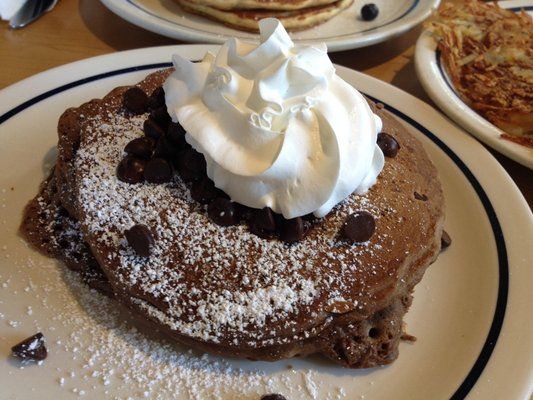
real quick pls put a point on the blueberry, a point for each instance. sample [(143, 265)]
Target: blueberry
[(369, 12)]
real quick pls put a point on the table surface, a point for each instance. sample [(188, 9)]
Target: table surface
[(78, 29)]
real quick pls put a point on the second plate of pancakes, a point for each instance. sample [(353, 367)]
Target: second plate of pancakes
[(345, 29)]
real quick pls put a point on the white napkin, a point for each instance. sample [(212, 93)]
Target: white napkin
[(8, 8)]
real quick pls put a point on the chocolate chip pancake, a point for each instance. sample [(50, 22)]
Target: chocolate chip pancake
[(225, 289), (50, 228), (247, 19)]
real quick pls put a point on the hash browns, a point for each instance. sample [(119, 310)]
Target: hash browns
[(488, 54)]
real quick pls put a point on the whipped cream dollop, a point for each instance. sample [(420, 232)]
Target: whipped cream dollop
[(278, 128)]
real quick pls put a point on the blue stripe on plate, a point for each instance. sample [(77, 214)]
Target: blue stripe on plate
[(516, 9), (503, 281), (45, 95)]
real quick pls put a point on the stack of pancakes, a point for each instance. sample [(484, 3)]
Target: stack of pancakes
[(223, 289), (245, 14)]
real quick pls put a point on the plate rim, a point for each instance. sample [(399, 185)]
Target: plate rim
[(435, 83), (418, 12), (424, 111)]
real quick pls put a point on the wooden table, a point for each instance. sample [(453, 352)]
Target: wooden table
[(78, 29)]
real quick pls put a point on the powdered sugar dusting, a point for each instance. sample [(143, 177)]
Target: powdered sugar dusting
[(205, 281), (95, 349)]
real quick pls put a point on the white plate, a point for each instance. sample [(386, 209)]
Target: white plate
[(345, 31), (439, 87), (471, 312)]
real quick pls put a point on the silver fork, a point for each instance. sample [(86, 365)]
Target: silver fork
[(29, 12)]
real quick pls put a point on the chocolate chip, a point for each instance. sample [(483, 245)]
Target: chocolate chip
[(421, 197), (158, 170), (58, 227), (152, 129), (264, 219), (273, 396), (388, 145), (262, 223), (135, 100), (140, 239), (243, 212), (32, 348), (191, 165), (167, 150), (131, 170), (309, 217), (292, 230), (445, 240), (369, 12), (176, 134), (222, 212), (160, 115), (157, 98), (63, 243), (359, 227), (141, 147), (203, 191)]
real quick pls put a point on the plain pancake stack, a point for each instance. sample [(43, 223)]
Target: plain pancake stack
[(244, 14), (223, 289)]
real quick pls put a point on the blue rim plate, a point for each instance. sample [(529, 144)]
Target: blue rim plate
[(437, 84), (471, 311), (345, 31)]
